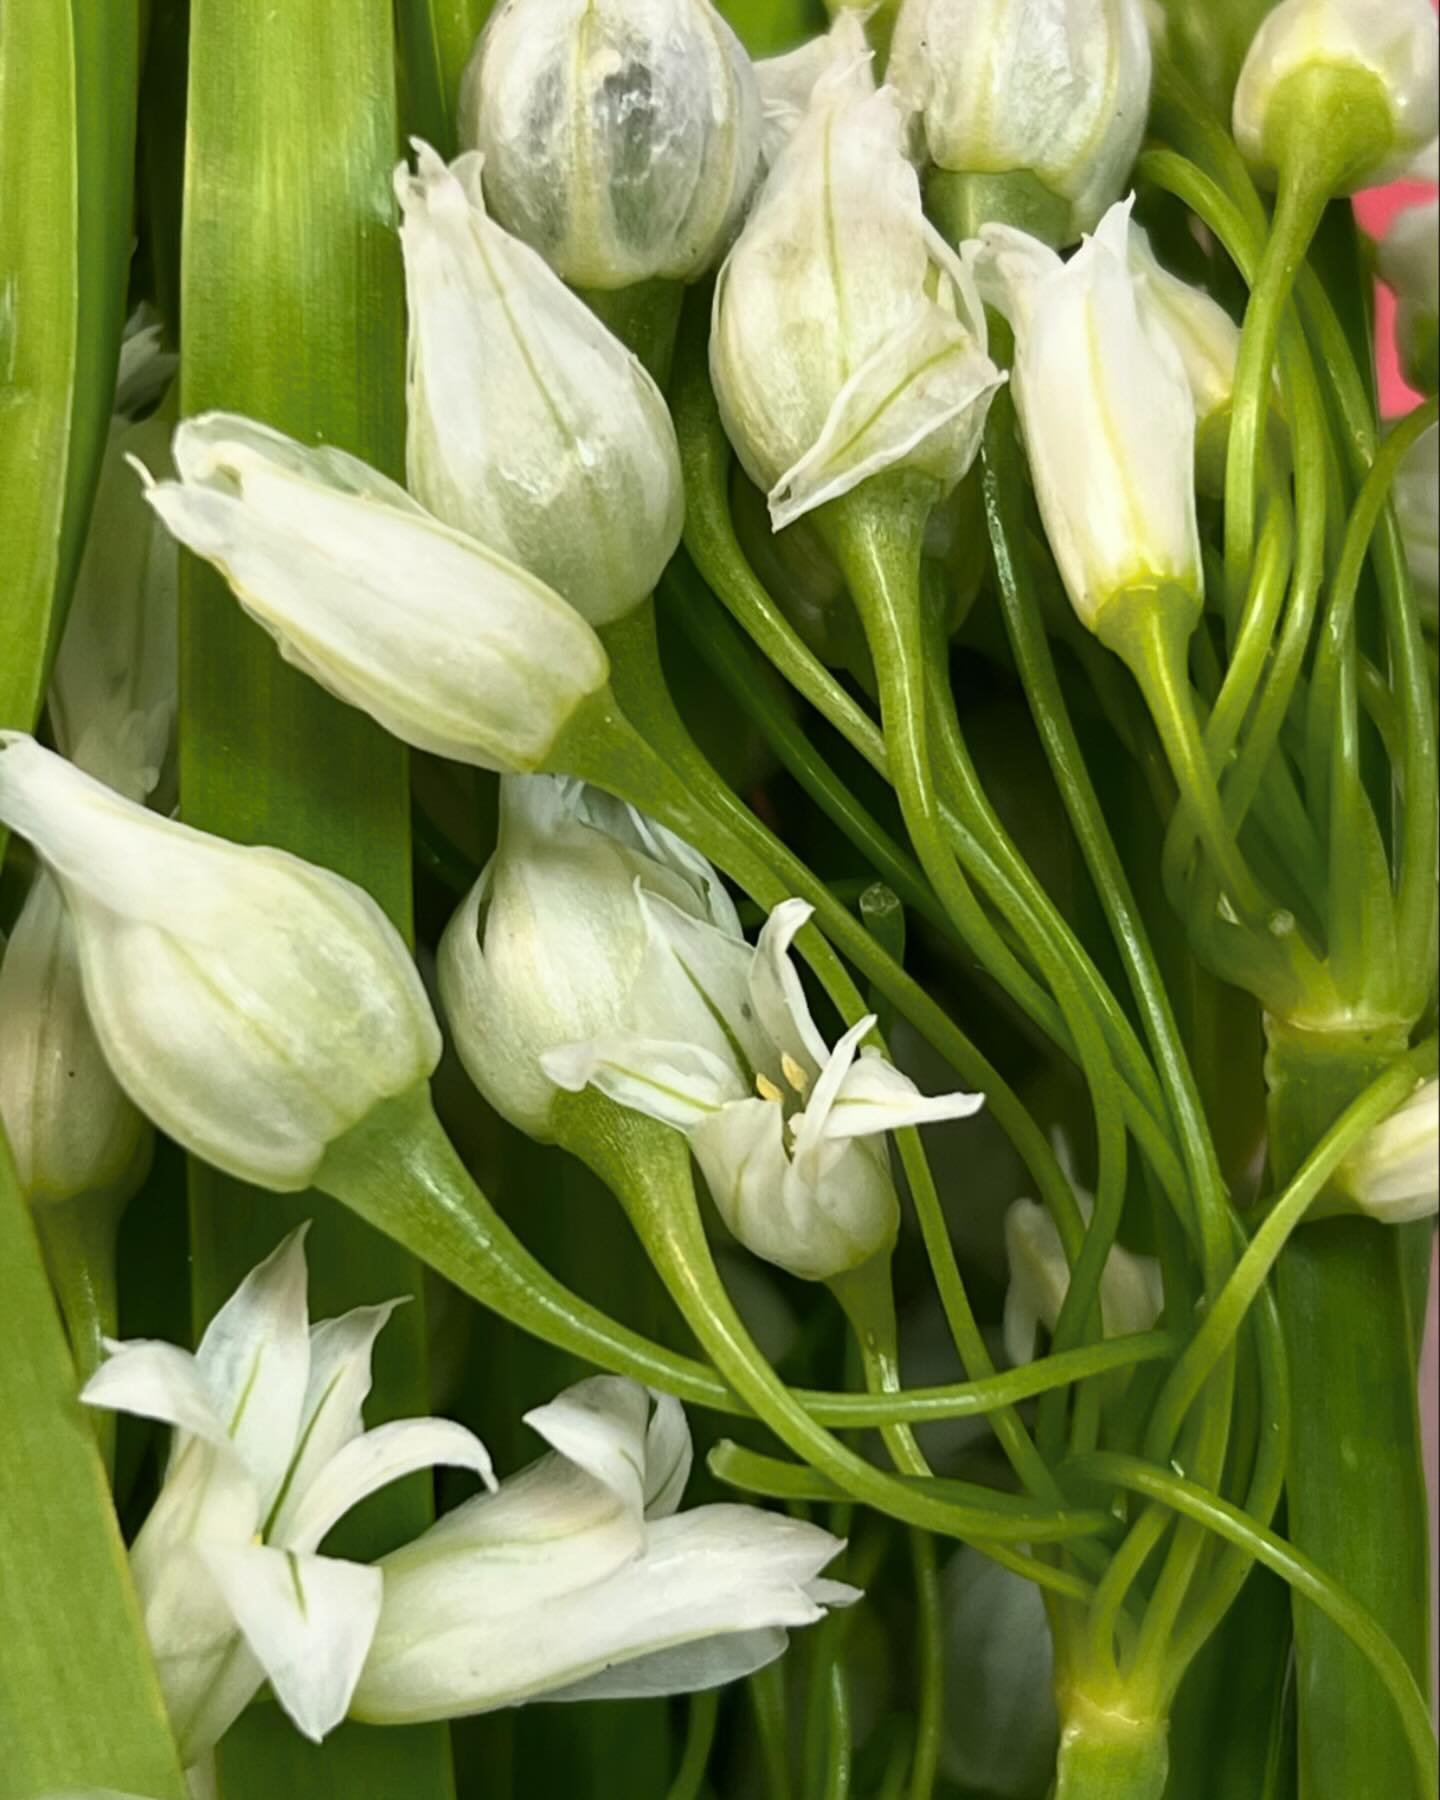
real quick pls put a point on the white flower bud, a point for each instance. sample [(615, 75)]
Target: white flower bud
[(555, 944), (1132, 1295), (1000, 1732), (582, 1580), (1107, 411), (448, 645), (1056, 88), (1417, 501), (621, 137), (1410, 264), (530, 426), (1390, 45), (71, 1127), (1394, 1175), (256, 1008), (847, 340)]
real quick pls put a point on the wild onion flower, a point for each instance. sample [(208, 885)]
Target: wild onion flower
[(620, 137), (1410, 265), (269, 1453), (1107, 409), (1056, 89), (1131, 1294), (581, 1579), (832, 368), (255, 1007), (1388, 48), (1394, 1174), (531, 428), (449, 644)]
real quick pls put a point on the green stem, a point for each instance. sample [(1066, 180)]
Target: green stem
[(1360, 1627), (647, 1168), (704, 1713), (1356, 1488), (1108, 1753), (768, 1697)]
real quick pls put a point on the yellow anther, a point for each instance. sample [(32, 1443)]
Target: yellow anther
[(794, 1074), (767, 1089)]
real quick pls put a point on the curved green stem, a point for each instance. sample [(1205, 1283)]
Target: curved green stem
[(78, 1240), (1207, 1509), (704, 1714), (647, 1168)]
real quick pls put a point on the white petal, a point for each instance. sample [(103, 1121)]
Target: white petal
[(694, 987), (714, 1572), (669, 1455), (686, 1669), (255, 1360), (812, 1125), (677, 1084), (160, 1381), (309, 1620), (601, 1426), (373, 1461), (776, 991), (875, 1097), (919, 401), (335, 1393)]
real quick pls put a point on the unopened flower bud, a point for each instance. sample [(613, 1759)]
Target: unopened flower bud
[(531, 427), (1107, 411), (255, 1007), (72, 1129), (1058, 89), (1410, 265), (1131, 1293), (847, 341), (621, 137), (1394, 1175), (788, 82), (449, 645), (1386, 50), (555, 942)]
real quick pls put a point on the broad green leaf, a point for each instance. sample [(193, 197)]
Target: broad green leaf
[(436, 39), (79, 1703), (291, 298)]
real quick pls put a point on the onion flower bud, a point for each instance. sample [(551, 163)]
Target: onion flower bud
[(555, 942), (621, 137), (1394, 1175), (582, 1580), (269, 1454), (531, 427), (1107, 411), (448, 644), (788, 82), (254, 1007), (1131, 1294), (1058, 89), (829, 370), (1389, 47), (1410, 265)]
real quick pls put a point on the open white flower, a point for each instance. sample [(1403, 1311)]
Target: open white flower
[(847, 339), (254, 1006), (1394, 1175), (620, 136), (448, 644), (1389, 44), (531, 427), (789, 1134), (1132, 1295), (1056, 88), (555, 941), (269, 1453), (1107, 410), (1410, 264), (580, 1579)]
